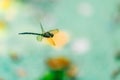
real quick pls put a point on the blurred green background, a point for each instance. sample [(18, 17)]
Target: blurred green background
[(93, 27)]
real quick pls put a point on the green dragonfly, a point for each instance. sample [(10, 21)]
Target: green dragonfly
[(45, 34)]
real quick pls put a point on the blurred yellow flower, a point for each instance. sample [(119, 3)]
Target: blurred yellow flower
[(5, 4), (60, 39)]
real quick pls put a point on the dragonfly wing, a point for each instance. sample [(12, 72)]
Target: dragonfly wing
[(54, 31), (51, 41), (42, 28), (39, 38)]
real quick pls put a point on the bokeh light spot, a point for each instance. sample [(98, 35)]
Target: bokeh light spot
[(5, 4), (81, 46), (2, 29), (11, 13), (85, 9), (21, 72)]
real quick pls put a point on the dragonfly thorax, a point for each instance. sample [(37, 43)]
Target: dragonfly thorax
[(48, 35)]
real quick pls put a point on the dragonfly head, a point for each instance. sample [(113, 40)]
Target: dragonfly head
[(48, 35), (51, 35)]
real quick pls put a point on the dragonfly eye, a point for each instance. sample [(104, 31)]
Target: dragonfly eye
[(51, 35), (48, 35)]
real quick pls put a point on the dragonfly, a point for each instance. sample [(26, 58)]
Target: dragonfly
[(45, 34)]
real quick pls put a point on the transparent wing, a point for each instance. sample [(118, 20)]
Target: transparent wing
[(54, 31), (42, 28), (51, 41), (39, 38)]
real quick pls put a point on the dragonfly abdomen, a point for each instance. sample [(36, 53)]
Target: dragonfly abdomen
[(30, 33)]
